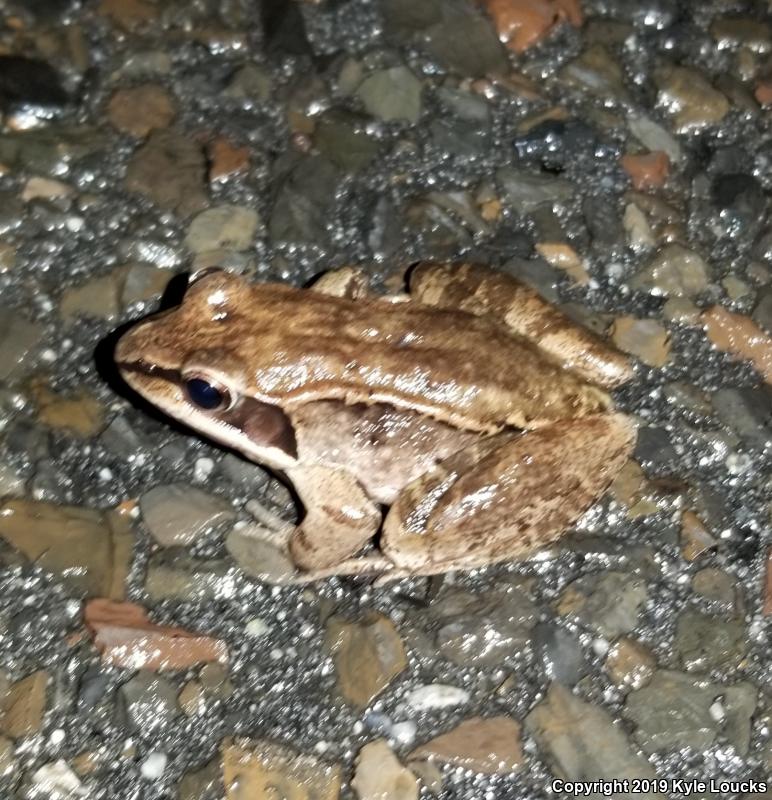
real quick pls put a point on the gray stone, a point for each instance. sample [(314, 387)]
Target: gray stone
[(739, 705), (18, 340), (466, 44), (560, 654), (747, 411), (251, 82), (715, 585), (11, 212), (654, 137), (675, 271), (608, 602), (11, 484), (202, 784), (392, 94), (705, 642), (170, 170), (340, 138), (525, 191), (596, 71), (482, 629), (581, 742), (174, 575), (50, 150), (305, 201), (687, 94), (143, 282), (225, 226), (257, 556), (177, 515), (673, 711), (762, 313), (148, 702)]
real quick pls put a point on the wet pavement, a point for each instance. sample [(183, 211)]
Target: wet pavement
[(614, 155)]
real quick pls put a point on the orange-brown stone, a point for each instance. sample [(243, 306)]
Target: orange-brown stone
[(740, 336), (125, 637), (523, 23), (763, 92), (226, 159), (647, 170)]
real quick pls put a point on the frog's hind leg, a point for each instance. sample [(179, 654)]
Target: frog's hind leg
[(482, 291), (505, 497)]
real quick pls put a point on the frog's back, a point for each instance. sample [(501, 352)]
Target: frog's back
[(463, 369)]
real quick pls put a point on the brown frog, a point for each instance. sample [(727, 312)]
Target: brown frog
[(472, 409)]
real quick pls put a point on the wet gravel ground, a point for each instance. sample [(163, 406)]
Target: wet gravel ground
[(614, 155)]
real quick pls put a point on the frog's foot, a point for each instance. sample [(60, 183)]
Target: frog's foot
[(349, 282), (481, 291), (505, 497)]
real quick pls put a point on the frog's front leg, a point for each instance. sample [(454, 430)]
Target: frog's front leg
[(505, 497), (482, 291), (340, 518)]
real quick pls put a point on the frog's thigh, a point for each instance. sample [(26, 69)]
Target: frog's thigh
[(515, 499), (349, 282), (339, 519), (484, 292)]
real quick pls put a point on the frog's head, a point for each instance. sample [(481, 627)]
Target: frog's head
[(190, 362)]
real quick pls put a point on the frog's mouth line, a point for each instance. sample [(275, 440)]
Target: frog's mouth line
[(151, 370)]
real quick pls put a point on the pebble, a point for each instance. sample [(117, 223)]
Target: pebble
[(342, 138), (222, 227), (125, 637), (608, 602), (436, 695), (655, 137), (644, 338), (7, 759), (367, 655), (629, 663), (560, 654), (488, 745), (380, 776), (252, 82), (580, 740), (152, 768), (704, 642), (715, 585), (689, 97), (639, 233), (79, 414), (392, 94), (170, 170), (37, 188), (56, 781), (226, 159), (19, 338), (178, 515), (739, 336), (255, 551), (174, 575), (254, 768), (89, 551), (673, 712), (525, 191), (647, 170), (141, 109), (130, 15), (521, 24), (24, 705), (483, 629), (596, 71), (202, 784), (148, 702), (753, 34), (767, 591), (674, 271), (564, 257)]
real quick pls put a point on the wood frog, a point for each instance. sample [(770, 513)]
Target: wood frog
[(459, 425)]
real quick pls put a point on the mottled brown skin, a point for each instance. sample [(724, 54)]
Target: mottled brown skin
[(484, 443)]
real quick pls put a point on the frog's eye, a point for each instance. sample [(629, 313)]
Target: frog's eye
[(206, 395)]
